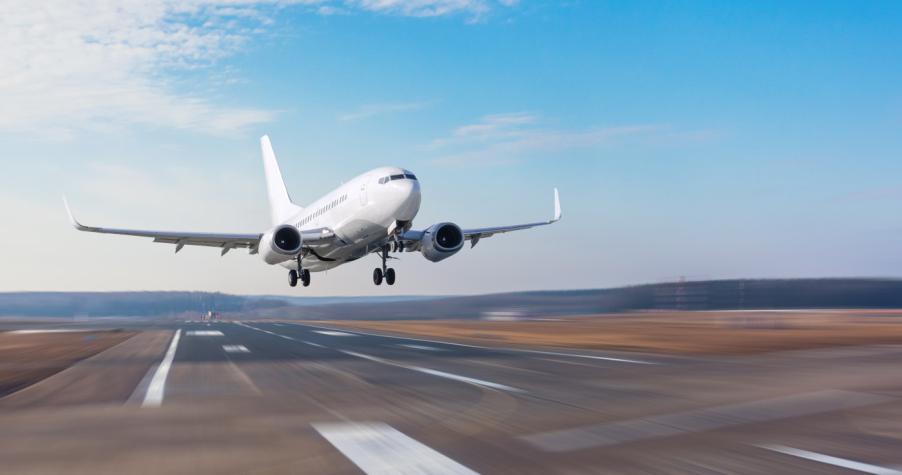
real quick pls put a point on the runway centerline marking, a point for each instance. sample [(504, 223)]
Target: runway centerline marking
[(157, 388), (831, 460), (281, 336), (333, 333), (378, 448), (435, 372), (203, 333), (500, 349), (235, 349)]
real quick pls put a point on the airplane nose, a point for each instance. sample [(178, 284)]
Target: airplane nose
[(407, 194)]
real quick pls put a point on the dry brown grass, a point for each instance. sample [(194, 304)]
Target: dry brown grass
[(28, 358), (667, 332)]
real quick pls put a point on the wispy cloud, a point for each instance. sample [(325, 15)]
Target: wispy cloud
[(371, 110), (504, 137), (70, 65), (73, 65), (475, 9)]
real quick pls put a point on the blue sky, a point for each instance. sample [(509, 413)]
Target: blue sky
[(697, 139)]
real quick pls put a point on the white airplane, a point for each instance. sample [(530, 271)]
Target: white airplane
[(373, 212)]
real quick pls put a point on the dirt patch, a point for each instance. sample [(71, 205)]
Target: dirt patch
[(28, 358), (668, 332)]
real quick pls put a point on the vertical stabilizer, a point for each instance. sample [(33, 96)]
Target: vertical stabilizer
[(280, 205)]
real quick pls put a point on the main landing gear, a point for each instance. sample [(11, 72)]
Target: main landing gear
[(302, 274), (384, 272)]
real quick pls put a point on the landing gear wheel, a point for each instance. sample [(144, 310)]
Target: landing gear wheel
[(292, 278), (377, 276), (305, 277), (390, 276)]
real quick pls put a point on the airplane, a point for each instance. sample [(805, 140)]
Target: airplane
[(371, 213)]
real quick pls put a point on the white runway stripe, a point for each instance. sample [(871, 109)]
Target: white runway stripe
[(157, 387), (47, 330), (333, 333), (504, 349), (421, 347), (203, 333), (830, 460), (235, 349), (434, 372), (379, 448), (313, 344)]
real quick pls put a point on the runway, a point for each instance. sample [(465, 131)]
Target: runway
[(257, 397)]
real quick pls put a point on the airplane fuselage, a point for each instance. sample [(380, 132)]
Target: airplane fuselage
[(362, 213)]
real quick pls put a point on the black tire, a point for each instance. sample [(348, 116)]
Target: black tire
[(292, 278), (377, 276), (390, 276), (305, 277)]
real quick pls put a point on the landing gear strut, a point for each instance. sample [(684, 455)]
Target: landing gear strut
[(301, 273), (384, 272)]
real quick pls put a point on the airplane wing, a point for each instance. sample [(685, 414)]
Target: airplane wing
[(180, 239), (474, 235)]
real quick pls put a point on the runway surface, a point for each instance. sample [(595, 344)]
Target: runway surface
[(255, 397)]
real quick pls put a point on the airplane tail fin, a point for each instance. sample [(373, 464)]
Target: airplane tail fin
[(280, 205)]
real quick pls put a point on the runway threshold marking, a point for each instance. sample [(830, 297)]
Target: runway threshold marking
[(435, 372), (831, 460), (235, 349), (513, 350), (157, 388), (378, 448)]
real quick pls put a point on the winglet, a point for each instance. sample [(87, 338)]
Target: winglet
[(75, 223), (557, 207)]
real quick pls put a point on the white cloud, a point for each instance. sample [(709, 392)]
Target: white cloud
[(73, 65), (500, 137), (70, 65), (371, 110), (428, 8)]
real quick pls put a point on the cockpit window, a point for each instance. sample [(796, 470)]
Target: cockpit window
[(389, 178)]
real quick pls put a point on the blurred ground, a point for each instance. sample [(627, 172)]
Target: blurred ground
[(26, 358), (701, 393), (725, 332)]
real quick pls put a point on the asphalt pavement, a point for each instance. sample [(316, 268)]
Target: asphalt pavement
[(263, 397)]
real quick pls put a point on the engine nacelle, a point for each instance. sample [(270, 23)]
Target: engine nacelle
[(280, 244), (441, 241)]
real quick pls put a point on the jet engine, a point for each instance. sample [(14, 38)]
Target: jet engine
[(441, 241), (280, 244)]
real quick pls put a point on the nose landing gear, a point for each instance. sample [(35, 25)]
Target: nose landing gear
[(384, 272)]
